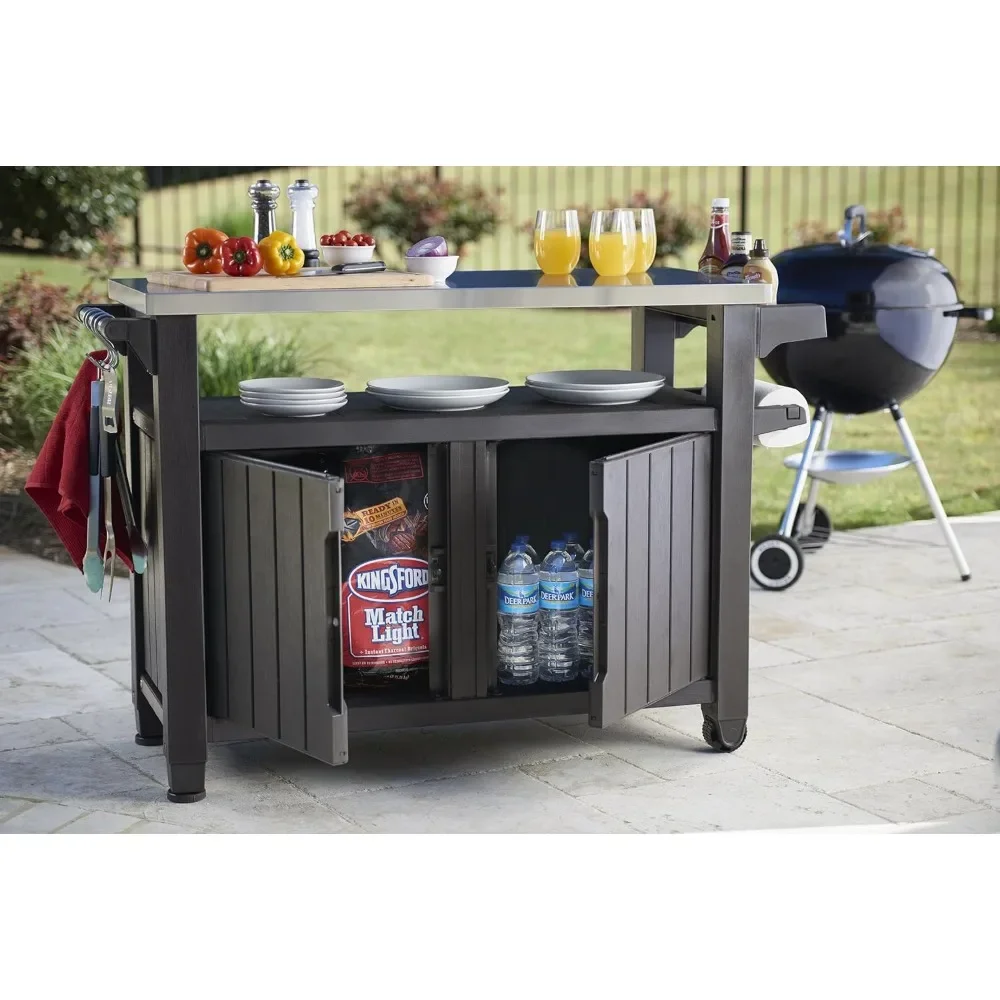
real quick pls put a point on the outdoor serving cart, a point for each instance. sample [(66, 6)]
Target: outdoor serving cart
[(236, 621)]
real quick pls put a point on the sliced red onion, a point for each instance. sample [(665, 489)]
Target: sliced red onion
[(433, 246)]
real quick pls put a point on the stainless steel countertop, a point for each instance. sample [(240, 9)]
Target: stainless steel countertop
[(464, 290)]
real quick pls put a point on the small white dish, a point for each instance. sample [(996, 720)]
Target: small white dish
[(283, 385), (454, 403), (346, 255), (276, 409), (436, 385), (293, 397), (439, 268), (595, 379)]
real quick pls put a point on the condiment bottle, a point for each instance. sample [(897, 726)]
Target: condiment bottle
[(264, 200), (733, 269), (760, 267), (717, 248), (302, 198)]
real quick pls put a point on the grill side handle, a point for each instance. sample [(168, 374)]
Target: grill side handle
[(788, 324), (982, 313)]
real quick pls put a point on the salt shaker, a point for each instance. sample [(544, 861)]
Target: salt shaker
[(302, 198), (264, 199)]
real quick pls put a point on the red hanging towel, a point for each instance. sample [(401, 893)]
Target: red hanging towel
[(60, 479)]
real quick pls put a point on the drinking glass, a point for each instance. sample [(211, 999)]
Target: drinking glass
[(612, 242), (557, 240), (645, 240)]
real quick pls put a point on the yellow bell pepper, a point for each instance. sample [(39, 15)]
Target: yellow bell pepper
[(281, 254)]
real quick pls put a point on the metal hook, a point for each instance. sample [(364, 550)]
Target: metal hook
[(95, 319)]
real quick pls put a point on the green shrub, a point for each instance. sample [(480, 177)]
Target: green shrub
[(65, 208), (34, 384), (404, 210), (885, 227), (226, 358), (29, 310)]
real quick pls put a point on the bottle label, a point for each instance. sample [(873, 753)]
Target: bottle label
[(751, 276), (586, 593), (711, 266), (734, 273), (558, 595), (517, 598)]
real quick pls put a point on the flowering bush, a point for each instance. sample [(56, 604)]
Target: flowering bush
[(404, 210), (676, 228), (885, 227), (29, 310)]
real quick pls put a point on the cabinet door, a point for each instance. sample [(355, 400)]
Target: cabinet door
[(652, 538), (272, 602)]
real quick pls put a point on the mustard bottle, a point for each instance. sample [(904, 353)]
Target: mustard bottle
[(760, 268)]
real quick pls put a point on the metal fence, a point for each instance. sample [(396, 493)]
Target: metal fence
[(953, 211)]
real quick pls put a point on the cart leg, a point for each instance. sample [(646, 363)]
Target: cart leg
[(653, 337), (932, 495), (178, 459), (809, 510), (731, 357), (148, 728), (798, 487)]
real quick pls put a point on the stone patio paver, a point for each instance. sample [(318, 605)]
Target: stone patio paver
[(874, 707)]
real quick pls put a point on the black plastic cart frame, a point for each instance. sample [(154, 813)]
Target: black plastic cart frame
[(218, 491)]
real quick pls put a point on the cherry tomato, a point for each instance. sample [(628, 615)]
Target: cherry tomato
[(370, 241), (342, 232), (339, 241)]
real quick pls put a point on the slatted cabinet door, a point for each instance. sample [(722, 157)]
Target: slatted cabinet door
[(652, 538), (272, 602)]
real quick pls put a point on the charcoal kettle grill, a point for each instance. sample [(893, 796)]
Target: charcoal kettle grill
[(891, 314)]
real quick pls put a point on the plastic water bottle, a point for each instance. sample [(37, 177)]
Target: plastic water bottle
[(558, 646), (525, 540), (573, 547), (585, 616), (517, 616)]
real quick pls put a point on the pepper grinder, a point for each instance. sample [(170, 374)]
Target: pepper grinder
[(302, 198), (264, 200)]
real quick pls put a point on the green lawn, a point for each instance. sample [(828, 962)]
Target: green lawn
[(953, 418)]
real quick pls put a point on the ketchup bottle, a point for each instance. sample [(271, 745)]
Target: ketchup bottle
[(719, 246)]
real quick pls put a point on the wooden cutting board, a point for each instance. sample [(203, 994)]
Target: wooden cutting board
[(265, 282)]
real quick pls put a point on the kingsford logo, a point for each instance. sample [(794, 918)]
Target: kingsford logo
[(400, 579)]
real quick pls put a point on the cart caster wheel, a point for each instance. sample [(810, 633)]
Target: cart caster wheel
[(148, 741), (712, 733), (775, 562), (822, 528)]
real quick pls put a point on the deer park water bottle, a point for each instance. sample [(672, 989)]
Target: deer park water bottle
[(573, 547), (585, 616), (525, 540), (517, 617), (558, 646)]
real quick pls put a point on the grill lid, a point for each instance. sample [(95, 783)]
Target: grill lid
[(858, 274)]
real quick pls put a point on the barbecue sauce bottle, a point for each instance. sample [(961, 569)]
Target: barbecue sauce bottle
[(760, 267), (733, 270), (718, 247)]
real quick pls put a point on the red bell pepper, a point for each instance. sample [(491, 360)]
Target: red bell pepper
[(241, 257)]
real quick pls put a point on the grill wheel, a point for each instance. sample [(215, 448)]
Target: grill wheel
[(776, 562)]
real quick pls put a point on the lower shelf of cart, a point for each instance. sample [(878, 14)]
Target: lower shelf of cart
[(367, 712)]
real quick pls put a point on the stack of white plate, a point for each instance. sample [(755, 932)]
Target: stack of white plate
[(595, 387), (444, 393), (293, 397)]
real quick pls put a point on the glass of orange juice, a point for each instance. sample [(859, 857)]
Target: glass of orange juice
[(645, 240), (612, 242), (557, 240)]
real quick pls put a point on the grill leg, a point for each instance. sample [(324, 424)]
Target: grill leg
[(798, 487), (809, 510), (932, 496)]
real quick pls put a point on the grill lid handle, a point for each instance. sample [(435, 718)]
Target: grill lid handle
[(846, 235), (983, 313)]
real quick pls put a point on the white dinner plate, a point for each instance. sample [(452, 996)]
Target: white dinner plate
[(292, 397), (296, 409), (596, 397), (596, 380), (451, 404), (296, 385), (436, 385)]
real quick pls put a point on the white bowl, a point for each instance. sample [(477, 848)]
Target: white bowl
[(438, 268), (346, 255)]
